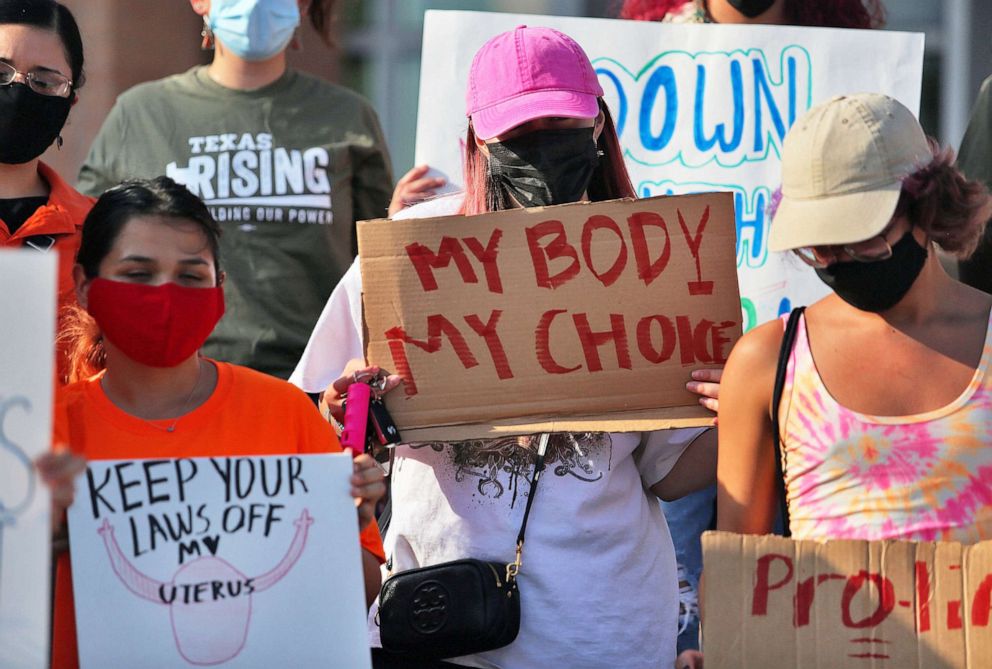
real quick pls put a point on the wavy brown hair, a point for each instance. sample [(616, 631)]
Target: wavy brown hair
[(952, 209)]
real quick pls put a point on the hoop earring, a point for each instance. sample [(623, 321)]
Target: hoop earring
[(206, 36)]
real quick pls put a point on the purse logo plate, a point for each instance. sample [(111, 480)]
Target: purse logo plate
[(430, 607)]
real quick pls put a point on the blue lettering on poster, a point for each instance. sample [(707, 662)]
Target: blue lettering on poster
[(750, 211), (696, 109)]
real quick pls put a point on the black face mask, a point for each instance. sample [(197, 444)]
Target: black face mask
[(543, 167), (877, 286), (29, 122), (751, 8)]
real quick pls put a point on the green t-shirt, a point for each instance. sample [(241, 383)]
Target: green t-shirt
[(286, 170)]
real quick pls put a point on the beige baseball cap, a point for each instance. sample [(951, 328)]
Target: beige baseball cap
[(842, 168)]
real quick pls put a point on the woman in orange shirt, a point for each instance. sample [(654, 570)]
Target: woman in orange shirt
[(148, 274), (41, 68)]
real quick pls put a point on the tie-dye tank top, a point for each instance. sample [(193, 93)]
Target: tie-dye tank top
[(922, 477)]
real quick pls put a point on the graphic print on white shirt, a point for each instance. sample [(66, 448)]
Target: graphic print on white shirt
[(498, 466), (248, 178)]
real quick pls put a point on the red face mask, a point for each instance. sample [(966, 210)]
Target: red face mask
[(158, 326)]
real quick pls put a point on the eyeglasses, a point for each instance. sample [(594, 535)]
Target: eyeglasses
[(872, 250), (43, 82)]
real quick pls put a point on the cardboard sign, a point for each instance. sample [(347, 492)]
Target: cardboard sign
[(770, 601), (585, 316), (697, 107), (27, 356), (239, 562)]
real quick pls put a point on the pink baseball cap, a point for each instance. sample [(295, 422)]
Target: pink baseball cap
[(527, 73)]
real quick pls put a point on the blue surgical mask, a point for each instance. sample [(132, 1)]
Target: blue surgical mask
[(254, 29)]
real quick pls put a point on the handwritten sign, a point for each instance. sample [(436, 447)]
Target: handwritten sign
[(592, 313), (845, 604), (241, 561), (26, 359), (697, 108)]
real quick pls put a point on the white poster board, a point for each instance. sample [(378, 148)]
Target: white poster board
[(698, 108), (225, 561), (27, 356)]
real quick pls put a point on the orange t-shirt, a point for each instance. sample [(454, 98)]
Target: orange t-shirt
[(248, 413), (61, 219)]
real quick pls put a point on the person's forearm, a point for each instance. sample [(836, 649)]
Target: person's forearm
[(373, 576)]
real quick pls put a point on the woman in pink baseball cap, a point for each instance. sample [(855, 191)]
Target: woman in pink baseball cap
[(539, 132), (598, 587)]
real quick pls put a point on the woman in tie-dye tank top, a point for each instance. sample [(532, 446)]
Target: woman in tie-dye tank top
[(886, 414)]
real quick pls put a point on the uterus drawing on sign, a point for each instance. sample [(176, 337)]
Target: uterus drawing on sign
[(210, 601), (20, 484)]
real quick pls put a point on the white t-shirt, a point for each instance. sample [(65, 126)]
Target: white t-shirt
[(598, 582)]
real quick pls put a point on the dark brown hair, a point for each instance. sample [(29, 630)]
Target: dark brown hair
[(79, 335), (321, 15), (53, 16)]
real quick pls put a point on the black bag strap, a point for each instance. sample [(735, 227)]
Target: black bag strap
[(784, 353), (542, 447)]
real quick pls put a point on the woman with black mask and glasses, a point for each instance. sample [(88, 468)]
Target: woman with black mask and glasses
[(886, 412), (41, 68)]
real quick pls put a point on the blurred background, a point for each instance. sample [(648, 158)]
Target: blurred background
[(377, 53)]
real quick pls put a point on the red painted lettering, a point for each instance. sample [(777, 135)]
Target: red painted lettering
[(981, 605), (599, 222), (886, 600), (803, 601), (697, 287), (922, 596), (488, 332), (426, 261), (542, 336), (557, 248), (762, 584), (591, 341), (437, 325), (719, 341), (954, 621), (648, 270), (692, 340), (487, 256), (645, 344)]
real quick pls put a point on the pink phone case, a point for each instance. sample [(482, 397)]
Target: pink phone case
[(356, 417)]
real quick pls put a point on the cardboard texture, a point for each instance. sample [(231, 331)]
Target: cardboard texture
[(586, 316), (774, 602)]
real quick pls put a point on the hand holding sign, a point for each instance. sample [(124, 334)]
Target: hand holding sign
[(706, 383), (367, 487), (591, 313), (59, 470), (413, 187)]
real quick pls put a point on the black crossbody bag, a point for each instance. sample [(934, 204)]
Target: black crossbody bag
[(455, 608), (788, 341)]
